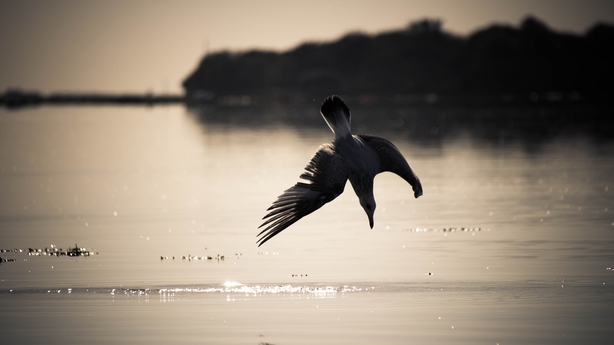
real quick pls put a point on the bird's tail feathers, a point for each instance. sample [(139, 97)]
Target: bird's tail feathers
[(337, 116)]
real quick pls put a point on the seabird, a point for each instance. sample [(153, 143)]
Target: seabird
[(357, 158)]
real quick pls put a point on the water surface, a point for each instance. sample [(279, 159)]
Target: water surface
[(510, 243)]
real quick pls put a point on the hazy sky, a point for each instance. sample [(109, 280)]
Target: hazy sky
[(130, 45)]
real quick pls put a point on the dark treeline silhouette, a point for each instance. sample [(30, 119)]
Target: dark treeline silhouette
[(422, 59)]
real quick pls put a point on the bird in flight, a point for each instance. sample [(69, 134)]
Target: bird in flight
[(357, 158)]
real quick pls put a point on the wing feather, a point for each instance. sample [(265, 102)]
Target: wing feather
[(326, 173), (392, 160)]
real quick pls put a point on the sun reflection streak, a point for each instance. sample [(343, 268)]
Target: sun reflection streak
[(228, 287), (230, 284), (232, 287)]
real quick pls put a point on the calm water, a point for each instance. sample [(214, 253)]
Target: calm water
[(509, 244)]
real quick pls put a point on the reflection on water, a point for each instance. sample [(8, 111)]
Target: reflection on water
[(512, 233), (527, 127)]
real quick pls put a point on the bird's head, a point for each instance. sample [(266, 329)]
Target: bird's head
[(367, 201)]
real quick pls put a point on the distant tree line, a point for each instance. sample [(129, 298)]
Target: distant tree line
[(421, 58)]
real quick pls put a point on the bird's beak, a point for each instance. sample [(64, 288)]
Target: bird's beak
[(370, 220)]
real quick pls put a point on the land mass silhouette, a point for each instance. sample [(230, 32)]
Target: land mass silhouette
[(419, 64), (420, 59)]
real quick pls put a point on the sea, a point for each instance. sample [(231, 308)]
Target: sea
[(511, 243)]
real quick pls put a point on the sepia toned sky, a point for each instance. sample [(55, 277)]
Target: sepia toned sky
[(152, 45)]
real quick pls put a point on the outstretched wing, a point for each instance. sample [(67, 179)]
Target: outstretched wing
[(326, 173), (392, 160)]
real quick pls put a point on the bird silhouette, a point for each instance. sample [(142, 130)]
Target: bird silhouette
[(357, 158)]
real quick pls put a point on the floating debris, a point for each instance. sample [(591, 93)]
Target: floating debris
[(11, 250), (460, 229), (53, 250), (79, 251), (609, 269), (298, 275), (6, 260), (189, 257)]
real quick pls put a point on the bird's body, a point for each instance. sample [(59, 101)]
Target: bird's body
[(357, 158)]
